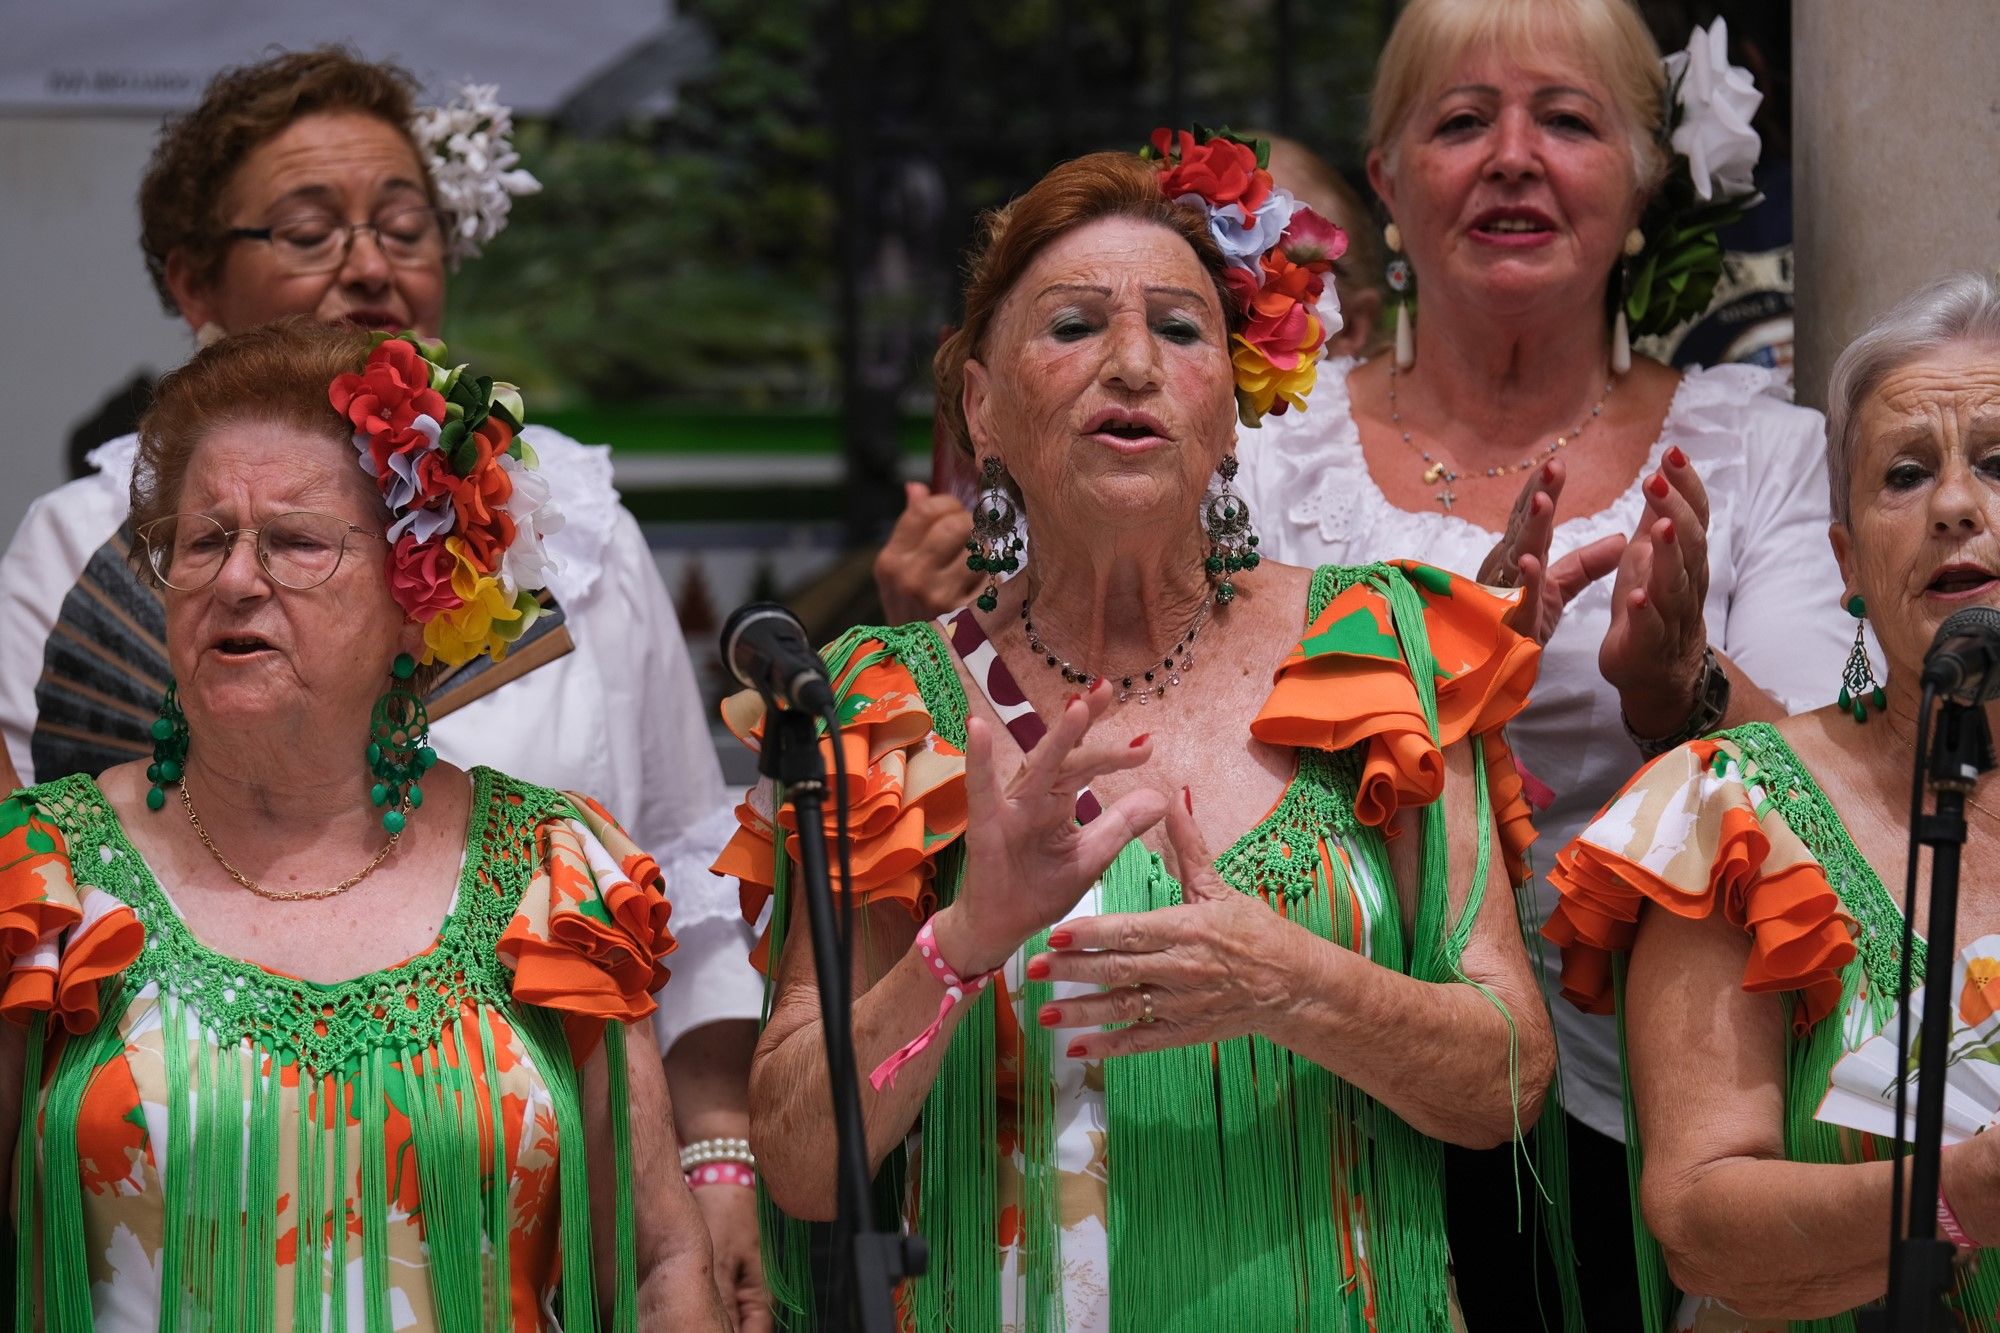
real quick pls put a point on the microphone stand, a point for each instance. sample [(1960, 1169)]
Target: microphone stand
[(869, 1262), (1920, 1264)]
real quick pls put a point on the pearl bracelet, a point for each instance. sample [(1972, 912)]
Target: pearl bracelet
[(706, 1152)]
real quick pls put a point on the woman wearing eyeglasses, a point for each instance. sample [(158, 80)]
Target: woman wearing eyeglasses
[(318, 1029), (308, 184)]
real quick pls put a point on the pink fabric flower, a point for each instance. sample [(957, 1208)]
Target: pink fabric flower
[(420, 578)]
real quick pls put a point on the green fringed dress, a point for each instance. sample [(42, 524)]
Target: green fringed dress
[(1234, 1185), (1734, 826), (216, 1146)]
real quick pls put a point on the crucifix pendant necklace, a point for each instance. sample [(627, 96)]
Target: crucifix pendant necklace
[(1441, 474)]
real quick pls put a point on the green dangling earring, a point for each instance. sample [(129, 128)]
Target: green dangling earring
[(399, 751), (1225, 521), (170, 749), (996, 531), (1858, 687)]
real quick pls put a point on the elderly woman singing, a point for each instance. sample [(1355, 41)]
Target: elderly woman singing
[(1746, 874), (1220, 833), (309, 1028)]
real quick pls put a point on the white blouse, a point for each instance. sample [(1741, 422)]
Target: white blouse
[(1773, 600), (619, 718)]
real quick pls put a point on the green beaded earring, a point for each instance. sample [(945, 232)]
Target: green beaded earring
[(1232, 546), (1858, 687), (170, 749), (996, 531), (399, 751)]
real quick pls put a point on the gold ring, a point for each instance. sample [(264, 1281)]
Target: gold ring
[(1145, 1003)]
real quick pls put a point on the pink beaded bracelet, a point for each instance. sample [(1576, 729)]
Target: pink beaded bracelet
[(722, 1173), (956, 988)]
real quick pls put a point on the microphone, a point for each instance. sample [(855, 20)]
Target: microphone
[(1964, 659), (764, 646)]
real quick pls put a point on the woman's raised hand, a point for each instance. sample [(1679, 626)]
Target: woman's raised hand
[(920, 571), (1521, 557), (1205, 971), (1653, 650), (1027, 859)]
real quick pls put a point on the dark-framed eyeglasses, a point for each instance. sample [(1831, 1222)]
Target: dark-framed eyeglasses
[(298, 550), (410, 237)]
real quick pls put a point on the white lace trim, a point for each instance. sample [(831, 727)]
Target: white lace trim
[(1316, 455), (579, 477), (696, 894)]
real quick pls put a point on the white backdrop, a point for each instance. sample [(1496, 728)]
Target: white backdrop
[(82, 89)]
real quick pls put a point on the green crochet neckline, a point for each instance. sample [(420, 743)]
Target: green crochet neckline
[(327, 1027)]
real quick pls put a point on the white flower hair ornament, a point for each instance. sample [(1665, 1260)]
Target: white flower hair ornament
[(1712, 154), (468, 145)]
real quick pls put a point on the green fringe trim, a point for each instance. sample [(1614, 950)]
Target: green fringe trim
[(1208, 1220), (224, 1056)]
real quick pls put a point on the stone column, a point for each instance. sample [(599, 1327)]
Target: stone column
[(1896, 142)]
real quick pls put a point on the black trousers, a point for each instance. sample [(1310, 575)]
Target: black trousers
[(1506, 1277)]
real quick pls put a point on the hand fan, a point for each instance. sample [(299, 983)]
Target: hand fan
[(1862, 1091), (104, 668)]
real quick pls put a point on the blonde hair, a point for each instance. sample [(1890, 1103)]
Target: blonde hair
[(1431, 37)]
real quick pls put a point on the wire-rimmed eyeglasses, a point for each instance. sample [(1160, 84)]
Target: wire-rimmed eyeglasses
[(410, 237), (298, 550)]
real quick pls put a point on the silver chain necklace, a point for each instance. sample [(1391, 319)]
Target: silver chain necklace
[(1145, 685), (1440, 474)]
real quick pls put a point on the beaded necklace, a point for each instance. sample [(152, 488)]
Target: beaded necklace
[(1148, 683)]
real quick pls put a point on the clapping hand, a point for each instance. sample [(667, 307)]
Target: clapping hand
[(1521, 557), (1205, 971), (921, 571), (1653, 652), (1028, 861)]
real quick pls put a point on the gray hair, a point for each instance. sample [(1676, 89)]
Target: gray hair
[(1959, 308)]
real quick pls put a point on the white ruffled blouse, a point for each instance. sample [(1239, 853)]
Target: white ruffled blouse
[(619, 717), (1773, 598)]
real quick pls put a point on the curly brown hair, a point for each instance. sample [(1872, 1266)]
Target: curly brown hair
[(277, 373), (197, 154), (1097, 185)]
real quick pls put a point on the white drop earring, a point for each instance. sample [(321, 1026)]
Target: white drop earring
[(1402, 286), (1621, 334)]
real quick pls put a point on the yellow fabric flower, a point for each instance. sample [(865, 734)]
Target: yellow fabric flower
[(487, 619), (1261, 385)]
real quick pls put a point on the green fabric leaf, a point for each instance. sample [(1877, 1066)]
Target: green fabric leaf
[(1357, 634)]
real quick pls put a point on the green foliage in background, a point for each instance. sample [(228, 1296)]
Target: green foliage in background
[(691, 262)]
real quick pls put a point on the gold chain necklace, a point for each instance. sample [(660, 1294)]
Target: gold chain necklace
[(280, 895), (1441, 474)]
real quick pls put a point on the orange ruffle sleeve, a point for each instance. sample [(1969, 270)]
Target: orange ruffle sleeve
[(591, 930), (905, 787), (1693, 834), (58, 939), (1347, 684)]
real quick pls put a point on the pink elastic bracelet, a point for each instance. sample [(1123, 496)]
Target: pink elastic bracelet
[(722, 1173), (1948, 1223), (956, 988)]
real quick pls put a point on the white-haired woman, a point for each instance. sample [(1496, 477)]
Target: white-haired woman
[(1516, 145), (1771, 847)]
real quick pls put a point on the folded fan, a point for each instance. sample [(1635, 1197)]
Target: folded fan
[(1862, 1091)]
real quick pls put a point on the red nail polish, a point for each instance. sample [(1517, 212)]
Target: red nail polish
[(1548, 472), (1656, 486), (1141, 739), (1187, 796), (1668, 535), (1075, 1051), (1038, 967), (1069, 699), (1050, 1016), (1059, 939), (1676, 457)]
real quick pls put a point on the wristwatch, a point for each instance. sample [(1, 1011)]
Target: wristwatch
[(1711, 705)]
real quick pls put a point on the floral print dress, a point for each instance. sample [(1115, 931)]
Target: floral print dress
[(216, 1145), (1735, 829), (1065, 1194)]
